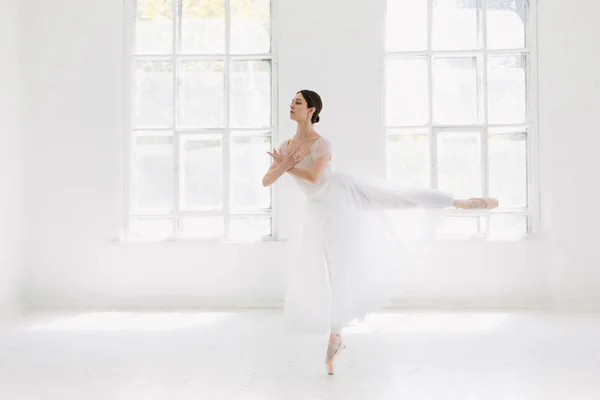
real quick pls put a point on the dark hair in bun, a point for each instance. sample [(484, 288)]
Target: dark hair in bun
[(313, 100)]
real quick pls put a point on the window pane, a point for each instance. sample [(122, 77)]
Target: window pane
[(154, 27), (455, 24), (247, 228), (507, 23), (250, 94), (407, 92), (153, 174), (408, 159), (459, 227), (203, 26), (202, 227), (202, 172), (154, 94), (507, 89), (249, 162), (508, 168), (250, 26), (152, 228), (459, 163), (455, 98), (406, 25), (507, 227), (201, 98)]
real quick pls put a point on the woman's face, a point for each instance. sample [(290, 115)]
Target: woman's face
[(299, 110)]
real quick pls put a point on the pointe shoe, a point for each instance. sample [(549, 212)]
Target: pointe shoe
[(478, 203), (488, 203), (334, 347)]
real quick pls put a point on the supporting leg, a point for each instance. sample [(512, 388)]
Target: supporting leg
[(334, 347)]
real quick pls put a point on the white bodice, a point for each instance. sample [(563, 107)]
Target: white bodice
[(319, 148)]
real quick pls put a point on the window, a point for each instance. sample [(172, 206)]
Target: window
[(202, 91), (460, 107)]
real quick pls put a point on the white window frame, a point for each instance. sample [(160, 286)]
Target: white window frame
[(530, 125), (129, 128)]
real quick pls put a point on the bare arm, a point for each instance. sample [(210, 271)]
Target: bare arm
[(313, 174), (278, 169), (274, 173)]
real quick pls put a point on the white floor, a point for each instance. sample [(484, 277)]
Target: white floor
[(245, 355)]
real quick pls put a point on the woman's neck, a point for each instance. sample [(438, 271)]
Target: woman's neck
[(305, 131)]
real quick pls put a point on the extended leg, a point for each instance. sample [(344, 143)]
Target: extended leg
[(394, 197), (377, 197)]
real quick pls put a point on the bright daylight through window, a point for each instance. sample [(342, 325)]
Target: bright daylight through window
[(202, 119), (460, 106)]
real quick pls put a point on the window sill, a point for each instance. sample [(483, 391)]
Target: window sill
[(142, 241), (533, 237), (530, 237)]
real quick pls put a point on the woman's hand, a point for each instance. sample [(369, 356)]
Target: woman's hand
[(281, 165), (292, 159), (277, 158)]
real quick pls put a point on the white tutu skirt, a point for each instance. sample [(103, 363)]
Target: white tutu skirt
[(350, 249)]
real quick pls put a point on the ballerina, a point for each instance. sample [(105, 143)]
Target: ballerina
[(340, 273)]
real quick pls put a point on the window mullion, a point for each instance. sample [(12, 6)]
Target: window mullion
[(432, 135), (533, 194), (179, 27), (274, 111), (485, 165), (130, 16), (176, 138), (227, 134)]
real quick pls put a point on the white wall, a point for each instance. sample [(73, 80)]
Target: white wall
[(10, 160), (74, 97), (569, 122)]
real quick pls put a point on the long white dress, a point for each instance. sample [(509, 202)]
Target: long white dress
[(347, 252)]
